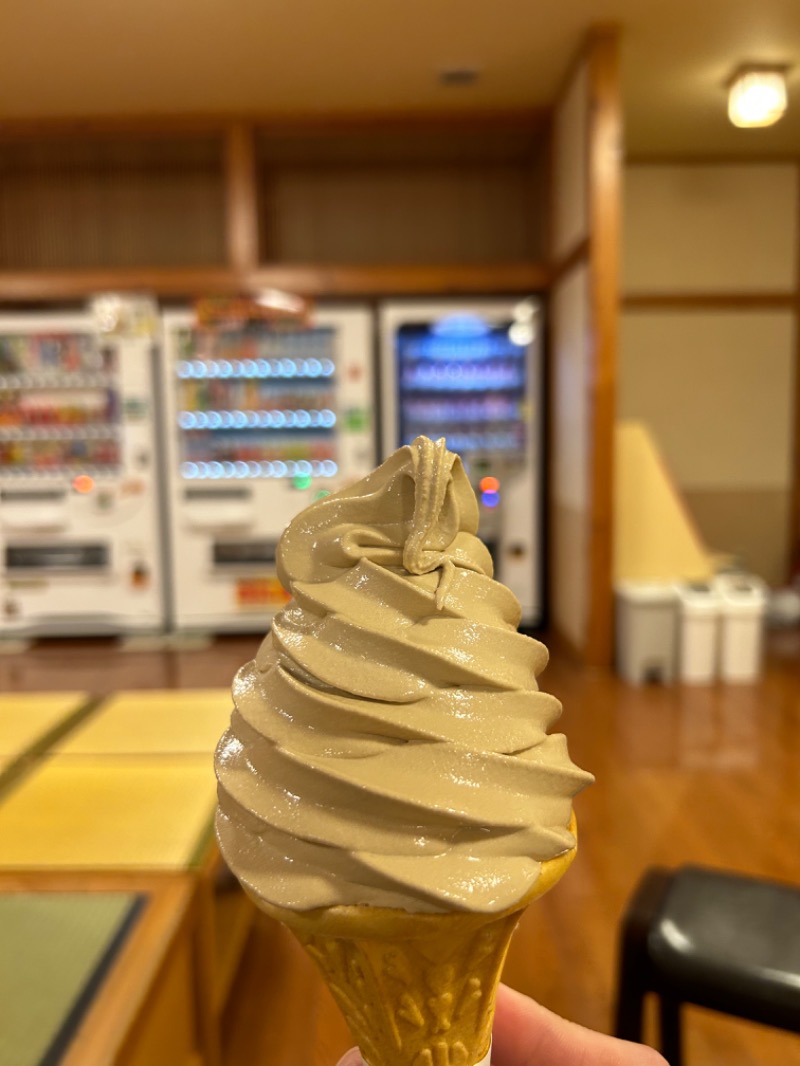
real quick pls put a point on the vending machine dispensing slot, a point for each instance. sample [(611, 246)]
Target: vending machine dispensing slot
[(57, 557), (245, 553)]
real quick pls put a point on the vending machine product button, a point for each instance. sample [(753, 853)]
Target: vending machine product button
[(83, 484)]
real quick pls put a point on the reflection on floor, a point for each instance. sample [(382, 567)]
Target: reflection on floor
[(709, 775)]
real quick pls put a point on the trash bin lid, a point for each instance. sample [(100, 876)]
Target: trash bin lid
[(742, 590), (647, 592), (698, 597)]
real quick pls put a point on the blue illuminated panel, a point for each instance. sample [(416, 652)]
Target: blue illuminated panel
[(462, 378)]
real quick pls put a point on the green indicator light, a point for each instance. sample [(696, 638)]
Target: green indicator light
[(320, 494), (302, 481)]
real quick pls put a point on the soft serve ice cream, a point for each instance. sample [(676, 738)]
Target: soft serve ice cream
[(389, 746)]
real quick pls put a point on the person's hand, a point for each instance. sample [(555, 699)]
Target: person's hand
[(526, 1034)]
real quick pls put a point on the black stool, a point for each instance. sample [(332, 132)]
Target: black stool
[(710, 938)]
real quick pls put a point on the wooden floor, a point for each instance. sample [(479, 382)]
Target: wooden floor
[(709, 775)]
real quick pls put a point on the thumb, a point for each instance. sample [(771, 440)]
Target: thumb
[(350, 1058)]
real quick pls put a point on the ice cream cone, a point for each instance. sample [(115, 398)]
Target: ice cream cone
[(415, 989), (388, 787)]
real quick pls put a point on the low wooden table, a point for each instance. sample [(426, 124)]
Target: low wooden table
[(122, 799)]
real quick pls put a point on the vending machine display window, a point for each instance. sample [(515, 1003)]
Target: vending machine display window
[(256, 403), (463, 378), (59, 405)]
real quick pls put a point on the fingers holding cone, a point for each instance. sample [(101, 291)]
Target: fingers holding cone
[(527, 1034)]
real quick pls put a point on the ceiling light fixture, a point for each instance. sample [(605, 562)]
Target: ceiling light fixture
[(757, 96)]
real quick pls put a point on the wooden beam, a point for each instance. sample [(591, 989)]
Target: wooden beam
[(51, 285), (709, 301), (301, 124), (318, 280), (314, 280), (241, 197), (605, 192), (580, 253)]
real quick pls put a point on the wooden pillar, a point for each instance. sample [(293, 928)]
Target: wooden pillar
[(585, 198), (605, 194), (241, 199), (794, 493)]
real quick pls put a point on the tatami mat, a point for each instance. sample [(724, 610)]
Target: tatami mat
[(26, 717), (109, 812), (54, 949), (153, 721)]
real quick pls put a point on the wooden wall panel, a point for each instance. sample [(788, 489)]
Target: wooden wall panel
[(435, 212), (71, 205)]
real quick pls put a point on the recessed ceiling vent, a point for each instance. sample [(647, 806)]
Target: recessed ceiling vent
[(458, 77)]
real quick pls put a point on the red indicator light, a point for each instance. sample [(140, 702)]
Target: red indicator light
[(489, 484), (83, 484)]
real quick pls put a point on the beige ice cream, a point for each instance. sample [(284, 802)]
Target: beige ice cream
[(388, 752)]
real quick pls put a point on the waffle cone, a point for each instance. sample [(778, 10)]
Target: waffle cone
[(415, 989)]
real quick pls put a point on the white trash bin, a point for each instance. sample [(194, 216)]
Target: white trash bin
[(646, 617), (743, 609), (700, 608)]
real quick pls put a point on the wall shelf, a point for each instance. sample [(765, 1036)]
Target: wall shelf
[(313, 280)]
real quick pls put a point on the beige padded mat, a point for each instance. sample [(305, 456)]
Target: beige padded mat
[(26, 717), (113, 812), (153, 722)]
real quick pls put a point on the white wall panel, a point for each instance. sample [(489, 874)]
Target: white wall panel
[(571, 340), (570, 444), (710, 228), (570, 167), (716, 389)]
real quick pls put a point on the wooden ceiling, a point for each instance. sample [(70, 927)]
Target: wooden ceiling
[(282, 58)]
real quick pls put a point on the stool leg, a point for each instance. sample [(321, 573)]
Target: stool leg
[(634, 977), (671, 1033), (628, 1022)]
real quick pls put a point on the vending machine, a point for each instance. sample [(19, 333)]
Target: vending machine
[(261, 420), (471, 371), (80, 547)]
